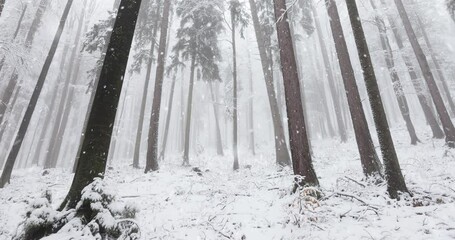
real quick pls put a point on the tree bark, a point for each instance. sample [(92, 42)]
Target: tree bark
[(447, 124), (152, 151), (93, 159), (368, 157), (34, 99), (281, 149), (168, 118), (2, 5), (300, 149), (394, 177), (252, 144), (137, 146)]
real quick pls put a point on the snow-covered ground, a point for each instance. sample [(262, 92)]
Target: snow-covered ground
[(255, 202)]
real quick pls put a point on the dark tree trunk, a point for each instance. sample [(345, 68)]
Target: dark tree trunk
[(2, 4), (330, 77), (396, 82), (416, 82), (447, 124), (152, 152), (234, 89), (186, 151), (95, 149), (300, 149), (368, 157), (137, 146), (34, 99), (282, 153), (437, 65), (394, 177), (219, 143)]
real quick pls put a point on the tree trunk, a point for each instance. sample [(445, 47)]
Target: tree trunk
[(282, 153), (34, 99), (234, 89), (447, 124), (36, 22), (92, 162), (330, 77), (219, 143), (368, 157), (47, 121), (416, 82), (186, 160), (252, 144), (396, 82), (443, 80), (394, 177), (137, 146), (152, 151), (57, 131), (300, 149), (168, 118), (2, 4)]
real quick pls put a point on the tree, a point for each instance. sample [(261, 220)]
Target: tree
[(281, 149), (6, 175), (417, 83), (300, 149), (95, 149), (2, 4), (152, 33), (368, 157), (396, 82), (446, 122), (152, 151), (451, 8), (393, 175), (239, 18), (330, 77), (197, 42)]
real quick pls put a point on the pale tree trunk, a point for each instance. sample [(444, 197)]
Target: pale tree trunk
[(47, 121), (300, 149), (168, 118), (252, 143), (447, 124), (219, 143), (396, 82), (437, 65), (368, 157), (234, 89), (393, 175), (281, 149), (186, 150), (51, 159), (420, 89), (33, 100), (152, 150), (137, 146), (330, 77), (93, 159)]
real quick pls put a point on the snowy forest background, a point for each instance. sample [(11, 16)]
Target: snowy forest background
[(243, 121)]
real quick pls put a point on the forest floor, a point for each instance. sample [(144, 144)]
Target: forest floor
[(255, 202)]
